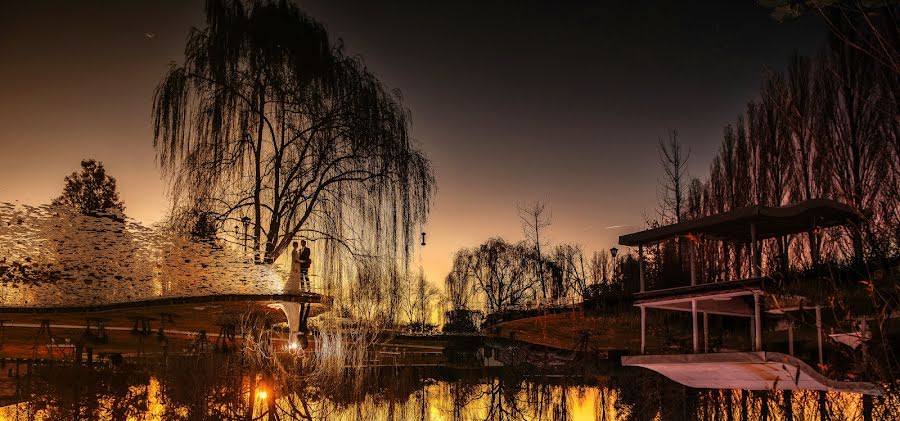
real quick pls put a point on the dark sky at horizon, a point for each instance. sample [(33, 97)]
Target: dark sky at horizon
[(513, 101)]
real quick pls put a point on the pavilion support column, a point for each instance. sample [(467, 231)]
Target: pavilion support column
[(693, 257), (696, 337), (705, 332), (754, 252), (791, 339), (641, 266), (753, 333), (757, 317), (819, 335), (643, 330)]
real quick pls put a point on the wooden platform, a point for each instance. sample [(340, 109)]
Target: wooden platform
[(745, 370), (297, 297)]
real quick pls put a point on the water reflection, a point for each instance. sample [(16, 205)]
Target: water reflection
[(216, 386)]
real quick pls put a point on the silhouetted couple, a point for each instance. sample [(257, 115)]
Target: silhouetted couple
[(300, 263)]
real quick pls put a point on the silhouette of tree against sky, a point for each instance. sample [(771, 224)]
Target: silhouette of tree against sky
[(90, 191), (500, 272), (853, 97), (671, 190), (855, 92), (818, 129), (804, 120), (573, 271), (534, 220), (673, 159), (267, 118)]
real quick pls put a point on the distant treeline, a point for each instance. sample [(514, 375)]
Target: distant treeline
[(828, 126)]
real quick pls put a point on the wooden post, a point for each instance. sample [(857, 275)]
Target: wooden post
[(753, 333), (758, 318), (791, 339), (692, 256), (694, 314), (819, 335), (641, 265), (643, 330), (754, 252), (705, 332)]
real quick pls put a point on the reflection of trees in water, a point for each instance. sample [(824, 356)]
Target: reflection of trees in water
[(65, 392), (230, 387), (792, 405), (504, 401)]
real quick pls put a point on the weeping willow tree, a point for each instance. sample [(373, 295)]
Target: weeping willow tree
[(268, 122)]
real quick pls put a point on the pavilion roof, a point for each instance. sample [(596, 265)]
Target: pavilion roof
[(770, 222)]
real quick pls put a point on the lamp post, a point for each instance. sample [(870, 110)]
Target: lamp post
[(246, 221), (423, 239), (614, 251)]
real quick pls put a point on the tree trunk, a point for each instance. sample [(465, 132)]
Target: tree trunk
[(856, 234), (788, 405), (867, 407), (823, 409)]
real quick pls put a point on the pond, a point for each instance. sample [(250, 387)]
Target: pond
[(232, 387)]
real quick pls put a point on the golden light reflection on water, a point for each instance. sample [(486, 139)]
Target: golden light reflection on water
[(438, 401), (492, 398)]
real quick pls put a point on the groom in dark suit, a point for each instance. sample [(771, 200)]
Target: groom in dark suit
[(305, 263)]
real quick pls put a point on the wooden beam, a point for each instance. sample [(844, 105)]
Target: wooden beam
[(303, 297), (705, 332), (819, 335), (754, 252), (758, 319)]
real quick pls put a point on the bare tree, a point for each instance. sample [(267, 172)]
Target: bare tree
[(574, 273), (267, 118), (500, 272), (459, 287), (600, 268), (694, 208), (803, 116), (534, 221), (856, 150), (420, 300), (673, 159), (775, 150)]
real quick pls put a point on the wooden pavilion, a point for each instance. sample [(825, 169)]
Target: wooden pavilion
[(755, 370)]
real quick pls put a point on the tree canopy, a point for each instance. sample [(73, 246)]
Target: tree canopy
[(268, 119), (90, 191)]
